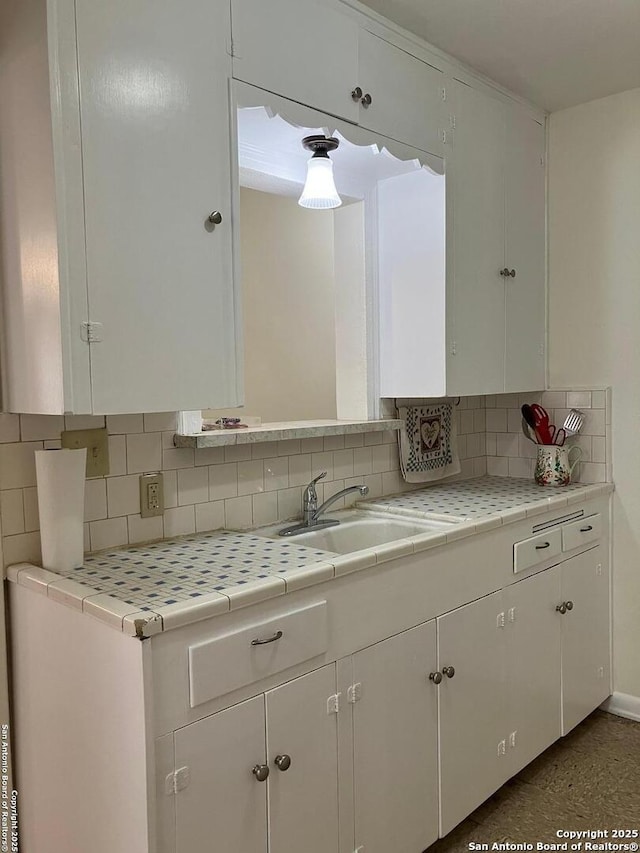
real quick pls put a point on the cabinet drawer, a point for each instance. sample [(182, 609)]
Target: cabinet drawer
[(233, 660), (538, 549), (581, 532)]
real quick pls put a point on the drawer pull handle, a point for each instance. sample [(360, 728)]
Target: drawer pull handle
[(261, 772), (543, 546), (275, 637), (586, 529)]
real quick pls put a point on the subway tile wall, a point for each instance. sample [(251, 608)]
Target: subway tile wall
[(235, 487), (251, 485), (510, 454)]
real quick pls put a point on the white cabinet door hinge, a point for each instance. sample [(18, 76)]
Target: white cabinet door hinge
[(452, 122), (442, 135), (443, 93), (91, 333), (177, 781), (512, 740), (454, 347), (542, 162), (500, 620), (502, 748), (599, 569), (354, 693), (333, 703), (512, 614)]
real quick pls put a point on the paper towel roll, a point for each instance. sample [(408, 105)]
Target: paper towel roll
[(60, 477)]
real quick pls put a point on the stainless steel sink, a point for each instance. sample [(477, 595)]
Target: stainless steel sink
[(359, 530)]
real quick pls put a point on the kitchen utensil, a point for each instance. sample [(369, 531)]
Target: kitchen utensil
[(554, 466), (559, 437), (544, 430), (530, 420), (528, 432), (573, 422)]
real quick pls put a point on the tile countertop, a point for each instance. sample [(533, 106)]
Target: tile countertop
[(147, 589)]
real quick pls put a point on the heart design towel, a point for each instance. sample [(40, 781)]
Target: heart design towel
[(428, 442)]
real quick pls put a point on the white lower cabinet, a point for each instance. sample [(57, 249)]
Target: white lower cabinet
[(586, 653), (246, 793), (395, 743), (472, 713)]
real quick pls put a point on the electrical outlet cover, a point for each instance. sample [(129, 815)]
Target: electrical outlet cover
[(97, 443)]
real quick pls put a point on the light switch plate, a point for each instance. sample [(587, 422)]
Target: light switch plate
[(151, 495), (97, 443)]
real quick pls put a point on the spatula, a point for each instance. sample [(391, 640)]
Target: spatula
[(573, 422)]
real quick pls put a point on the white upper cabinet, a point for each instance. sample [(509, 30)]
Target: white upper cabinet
[(525, 251), (141, 312), (402, 96), (497, 303), (301, 49), (476, 305)]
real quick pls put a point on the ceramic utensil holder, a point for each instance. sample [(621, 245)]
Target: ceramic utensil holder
[(554, 465)]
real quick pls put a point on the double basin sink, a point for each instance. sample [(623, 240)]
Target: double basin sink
[(360, 529)]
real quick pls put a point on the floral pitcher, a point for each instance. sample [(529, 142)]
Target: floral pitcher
[(554, 466)]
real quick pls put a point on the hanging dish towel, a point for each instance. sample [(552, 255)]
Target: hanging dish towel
[(428, 442)]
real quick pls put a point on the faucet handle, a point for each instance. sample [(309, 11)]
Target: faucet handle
[(310, 494)]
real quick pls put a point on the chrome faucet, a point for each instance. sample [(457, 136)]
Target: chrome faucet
[(311, 512)]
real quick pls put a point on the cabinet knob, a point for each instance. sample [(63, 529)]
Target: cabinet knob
[(356, 93), (261, 772), (562, 608), (449, 671), (569, 605), (283, 762), (512, 273), (505, 272), (215, 218), (436, 677), (366, 100)]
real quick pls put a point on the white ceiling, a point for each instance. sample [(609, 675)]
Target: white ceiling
[(555, 53)]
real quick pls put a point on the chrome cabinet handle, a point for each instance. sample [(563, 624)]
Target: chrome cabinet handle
[(562, 608), (258, 642), (586, 529), (283, 762), (436, 677), (543, 546), (449, 671), (261, 772), (366, 100), (356, 93), (569, 605), (215, 218)]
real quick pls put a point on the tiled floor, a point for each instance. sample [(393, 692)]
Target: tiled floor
[(588, 780)]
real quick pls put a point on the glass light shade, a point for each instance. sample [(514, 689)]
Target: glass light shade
[(320, 191)]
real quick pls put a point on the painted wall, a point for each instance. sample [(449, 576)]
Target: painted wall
[(288, 304), (594, 267)]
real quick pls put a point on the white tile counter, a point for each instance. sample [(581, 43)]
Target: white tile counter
[(147, 589)]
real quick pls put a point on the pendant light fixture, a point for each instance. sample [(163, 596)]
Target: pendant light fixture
[(320, 191)]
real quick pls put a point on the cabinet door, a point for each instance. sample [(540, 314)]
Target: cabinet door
[(156, 161), (223, 806), (303, 799), (472, 712), (533, 666), (525, 251), (585, 636), (395, 744), (406, 94), (301, 49), (477, 350)]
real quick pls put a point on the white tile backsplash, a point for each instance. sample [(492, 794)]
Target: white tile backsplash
[(261, 483)]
